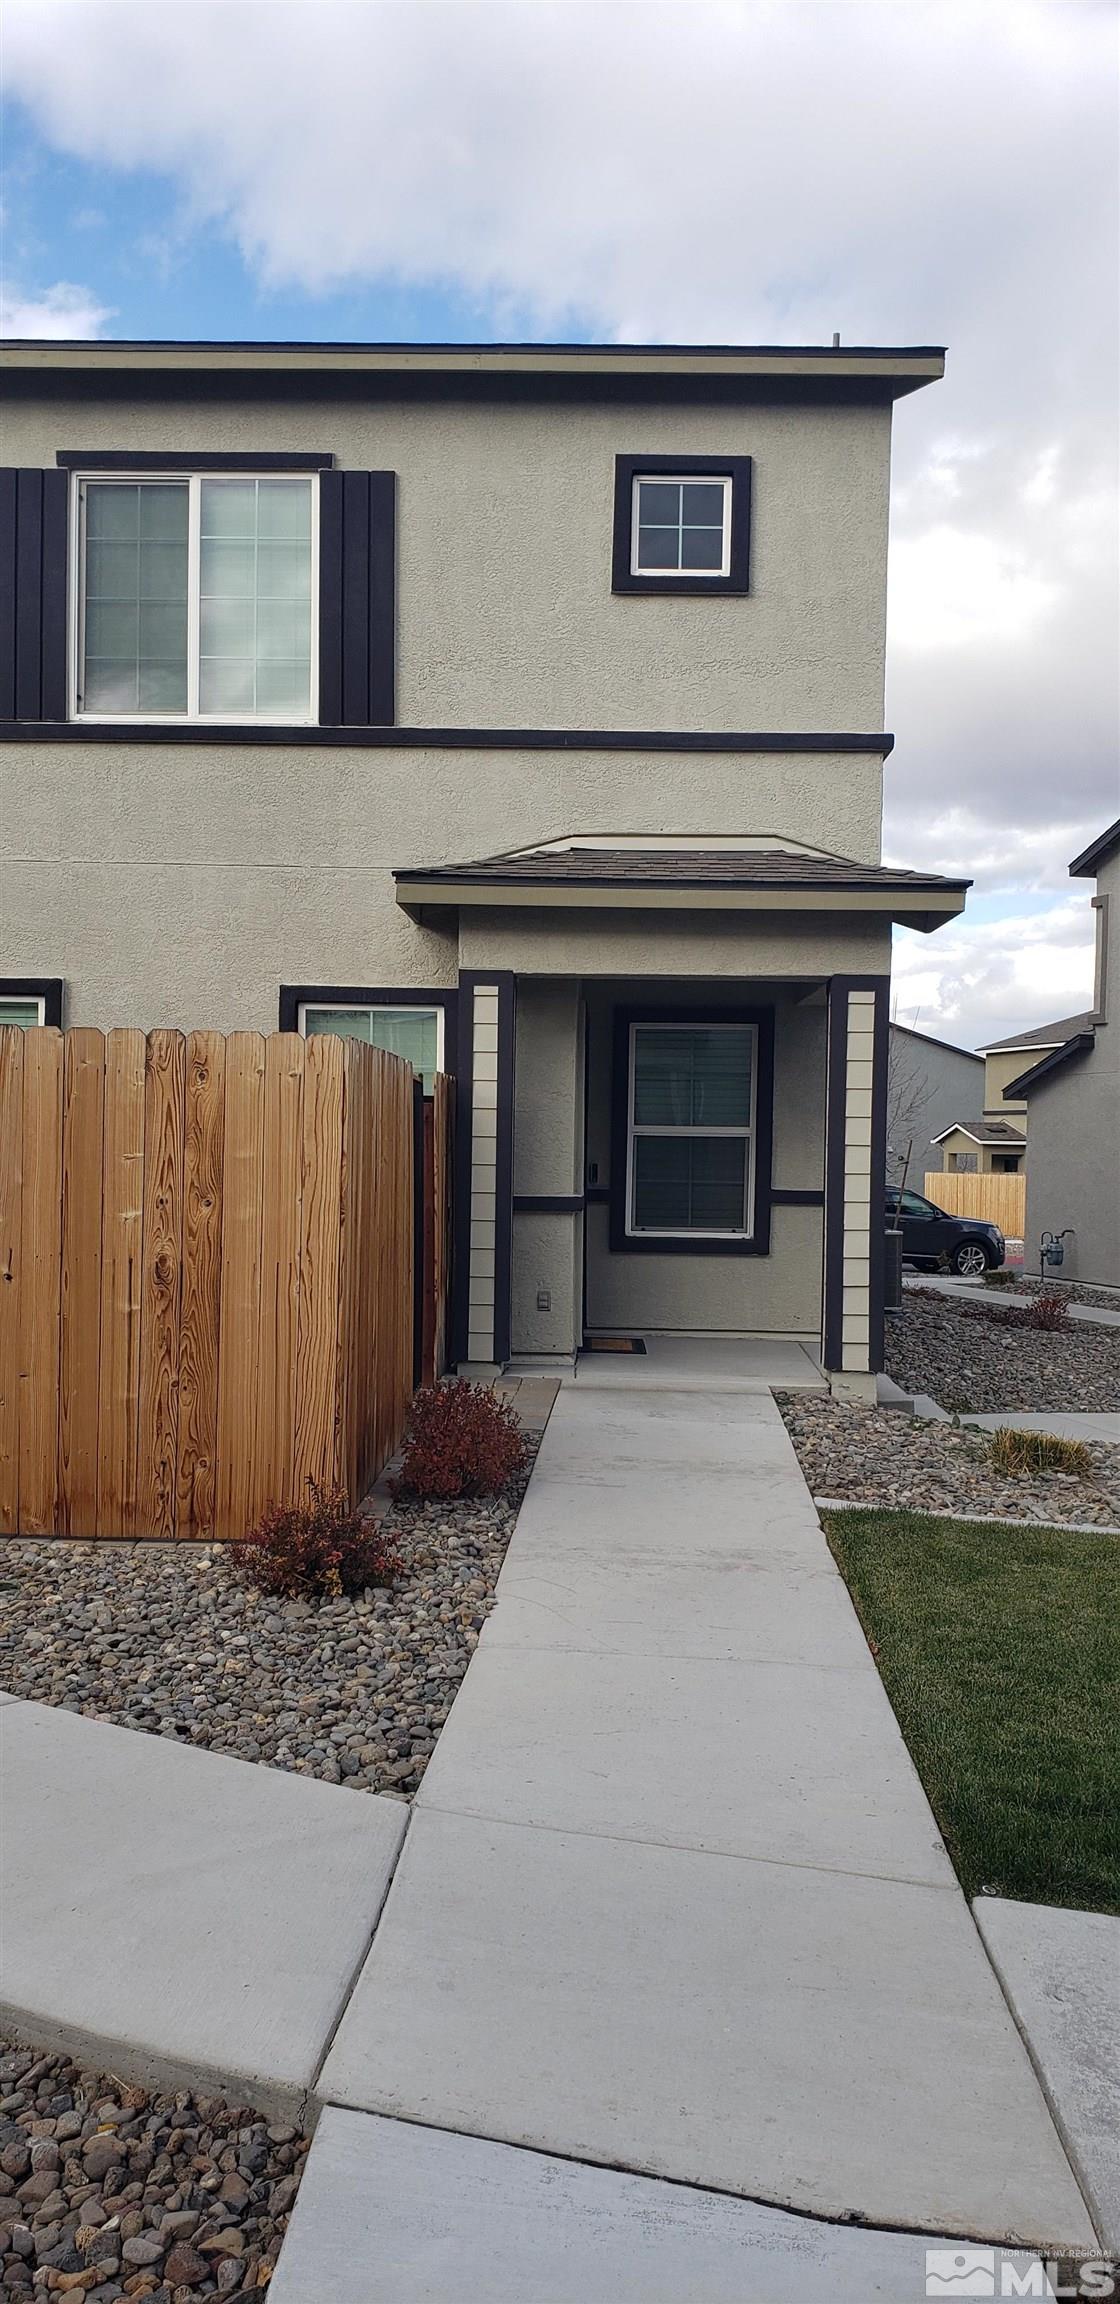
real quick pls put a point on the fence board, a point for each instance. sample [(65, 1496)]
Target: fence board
[(40, 1307), (11, 1271), (999, 1200), (241, 1280), (203, 1160), (83, 1119), (161, 1283), (279, 1305), (122, 1239), (316, 1455), (206, 1276)]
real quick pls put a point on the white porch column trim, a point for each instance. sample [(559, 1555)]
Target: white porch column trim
[(854, 1176)]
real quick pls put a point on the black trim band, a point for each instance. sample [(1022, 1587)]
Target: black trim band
[(48, 989), (206, 460), (548, 1203), (433, 739), (781, 1198), (627, 1243)]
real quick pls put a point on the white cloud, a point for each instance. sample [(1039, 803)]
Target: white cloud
[(976, 981), (61, 312)]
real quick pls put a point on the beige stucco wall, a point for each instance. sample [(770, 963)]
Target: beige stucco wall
[(505, 610), (1001, 1067), (547, 1158), (182, 884)]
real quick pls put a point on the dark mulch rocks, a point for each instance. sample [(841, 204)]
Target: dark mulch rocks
[(883, 1457), (170, 1640), (109, 2191), (973, 1357)]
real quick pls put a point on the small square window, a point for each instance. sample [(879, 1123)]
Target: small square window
[(681, 525), (415, 1033)]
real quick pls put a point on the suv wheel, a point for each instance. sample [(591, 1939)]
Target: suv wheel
[(970, 1260)]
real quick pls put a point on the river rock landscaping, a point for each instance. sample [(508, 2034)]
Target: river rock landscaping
[(885, 1458), (109, 2191), (974, 1358), (169, 1639)]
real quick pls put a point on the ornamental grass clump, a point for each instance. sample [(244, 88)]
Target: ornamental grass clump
[(1015, 1451), (320, 1550), (462, 1440)]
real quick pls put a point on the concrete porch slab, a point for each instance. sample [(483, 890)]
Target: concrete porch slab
[(178, 1915), (797, 1763), (809, 2038), (1061, 1972), (705, 1363), (393, 2214)]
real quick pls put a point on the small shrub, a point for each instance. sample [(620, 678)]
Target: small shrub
[(318, 1550), (1048, 1311), (1015, 1451), (461, 1441)]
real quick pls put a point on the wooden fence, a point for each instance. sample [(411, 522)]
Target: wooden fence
[(206, 1275), (999, 1200)]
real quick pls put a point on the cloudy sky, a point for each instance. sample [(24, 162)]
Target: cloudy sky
[(767, 173)]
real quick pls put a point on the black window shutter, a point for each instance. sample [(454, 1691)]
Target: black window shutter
[(34, 510), (357, 599)]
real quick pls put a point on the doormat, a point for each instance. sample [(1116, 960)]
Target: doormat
[(613, 1344)]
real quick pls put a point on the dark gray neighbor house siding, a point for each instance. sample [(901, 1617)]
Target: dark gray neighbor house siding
[(931, 1084)]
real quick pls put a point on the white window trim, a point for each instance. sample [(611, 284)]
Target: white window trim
[(744, 1133), (23, 1000), (191, 718), (376, 1008), (680, 480)]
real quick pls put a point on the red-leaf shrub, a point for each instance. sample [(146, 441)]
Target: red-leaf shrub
[(1048, 1310), (461, 1441), (316, 1550)]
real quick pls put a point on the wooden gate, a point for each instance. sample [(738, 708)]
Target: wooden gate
[(206, 1275)]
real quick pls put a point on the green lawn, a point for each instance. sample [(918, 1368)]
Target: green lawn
[(1000, 1652)]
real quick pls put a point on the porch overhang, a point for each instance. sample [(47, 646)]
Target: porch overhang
[(660, 879)]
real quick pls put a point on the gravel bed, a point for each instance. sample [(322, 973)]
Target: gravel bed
[(1077, 1292), (168, 1639), (108, 2191), (881, 1456), (970, 1359)]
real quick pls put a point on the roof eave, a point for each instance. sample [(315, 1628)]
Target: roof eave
[(921, 908), (1078, 1046), (1087, 865)]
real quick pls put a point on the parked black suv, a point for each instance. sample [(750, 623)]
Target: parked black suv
[(930, 1237)]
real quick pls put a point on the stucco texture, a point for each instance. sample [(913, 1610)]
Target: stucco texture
[(182, 884), (1073, 1168), (505, 610)]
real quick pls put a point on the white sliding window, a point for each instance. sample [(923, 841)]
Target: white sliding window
[(196, 598), (414, 1033)]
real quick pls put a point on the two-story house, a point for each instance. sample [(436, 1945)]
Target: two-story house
[(519, 708)]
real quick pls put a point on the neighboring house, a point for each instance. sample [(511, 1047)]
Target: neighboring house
[(981, 1148), (1073, 1094), (522, 709), (992, 1143), (930, 1084)]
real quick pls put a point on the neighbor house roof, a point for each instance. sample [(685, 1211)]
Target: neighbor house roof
[(1079, 1044), (1087, 865), (1042, 1036), (950, 1046), (731, 371), (985, 1132), (660, 878)]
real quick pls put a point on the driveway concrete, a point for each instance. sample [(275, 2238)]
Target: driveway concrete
[(677, 1905), (393, 2214), (177, 1914), (1061, 1973)]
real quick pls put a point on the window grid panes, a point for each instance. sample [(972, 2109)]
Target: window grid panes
[(197, 598), (691, 1109), (681, 527), (413, 1033)]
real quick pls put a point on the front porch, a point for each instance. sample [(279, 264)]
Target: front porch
[(672, 1099)]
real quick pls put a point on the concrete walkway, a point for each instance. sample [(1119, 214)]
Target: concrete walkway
[(1063, 1424), (672, 1898)]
